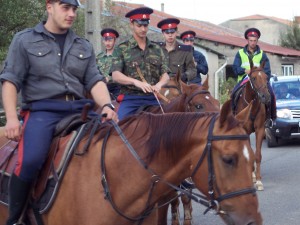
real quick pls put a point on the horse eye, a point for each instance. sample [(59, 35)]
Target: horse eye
[(199, 107), (229, 160)]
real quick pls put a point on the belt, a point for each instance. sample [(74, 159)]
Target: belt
[(67, 97)]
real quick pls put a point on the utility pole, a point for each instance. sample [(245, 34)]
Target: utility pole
[(92, 23)]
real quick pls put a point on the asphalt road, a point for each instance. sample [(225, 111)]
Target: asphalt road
[(280, 201)]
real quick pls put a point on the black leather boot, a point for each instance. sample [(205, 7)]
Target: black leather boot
[(17, 197)]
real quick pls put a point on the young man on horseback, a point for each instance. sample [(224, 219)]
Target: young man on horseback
[(104, 59), (179, 56), (188, 38), (139, 65), (241, 67), (54, 68)]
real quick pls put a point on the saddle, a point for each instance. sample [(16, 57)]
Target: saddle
[(68, 133), (236, 94)]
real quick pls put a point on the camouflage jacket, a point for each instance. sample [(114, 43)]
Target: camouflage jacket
[(181, 57), (151, 61), (104, 62)]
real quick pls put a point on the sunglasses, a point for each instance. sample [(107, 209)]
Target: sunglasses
[(188, 39)]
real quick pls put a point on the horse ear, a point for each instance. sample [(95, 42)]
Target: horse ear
[(178, 76), (243, 115), (225, 112), (205, 84)]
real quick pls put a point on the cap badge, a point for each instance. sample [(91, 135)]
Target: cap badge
[(144, 16)]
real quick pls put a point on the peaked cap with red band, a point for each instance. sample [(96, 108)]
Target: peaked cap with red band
[(170, 23), (140, 14), (252, 32), (187, 34), (109, 32)]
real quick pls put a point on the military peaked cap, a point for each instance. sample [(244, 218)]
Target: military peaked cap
[(187, 34), (140, 15), (109, 33), (170, 23), (71, 2), (252, 32)]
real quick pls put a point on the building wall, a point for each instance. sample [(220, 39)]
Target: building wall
[(270, 29)]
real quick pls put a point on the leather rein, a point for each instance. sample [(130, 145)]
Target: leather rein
[(211, 203)]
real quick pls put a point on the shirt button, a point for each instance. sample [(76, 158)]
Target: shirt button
[(80, 55), (59, 54), (67, 84), (40, 53)]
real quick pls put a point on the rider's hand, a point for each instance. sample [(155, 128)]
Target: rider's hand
[(247, 71), (146, 88), (13, 129), (111, 114)]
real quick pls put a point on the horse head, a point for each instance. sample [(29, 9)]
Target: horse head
[(230, 162), (173, 88), (199, 98), (258, 82)]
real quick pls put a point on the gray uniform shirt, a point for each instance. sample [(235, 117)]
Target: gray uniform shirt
[(36, 65)]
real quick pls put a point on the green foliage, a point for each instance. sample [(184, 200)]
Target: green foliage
[(17, 15), (225, 89), (113, 19), (291, 38), (79, 24)]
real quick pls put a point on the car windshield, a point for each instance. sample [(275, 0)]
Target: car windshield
[(287, 90)]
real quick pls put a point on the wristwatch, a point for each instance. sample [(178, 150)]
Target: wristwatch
[(109, 105)]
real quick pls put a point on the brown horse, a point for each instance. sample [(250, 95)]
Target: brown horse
[(198, 100), (138, 162), (256, 90)]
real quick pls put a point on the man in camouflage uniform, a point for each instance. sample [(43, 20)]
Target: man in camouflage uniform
[(138, 53), (179, 56), (104, 59), (188, 38)]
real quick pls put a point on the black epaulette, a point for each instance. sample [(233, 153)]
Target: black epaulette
[(124, 42), (186, 48), (159, 43)]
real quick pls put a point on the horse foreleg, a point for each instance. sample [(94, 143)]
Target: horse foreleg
[(259, 133), (175, 211), (187, 207), (163, 211)]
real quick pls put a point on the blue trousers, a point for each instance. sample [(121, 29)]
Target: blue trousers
[(40, 119), (131, 103)]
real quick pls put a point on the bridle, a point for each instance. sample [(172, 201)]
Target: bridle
[(190, 98), (211, 203), (252, 83)]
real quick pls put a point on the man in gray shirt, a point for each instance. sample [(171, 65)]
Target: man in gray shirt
[(54, 68)]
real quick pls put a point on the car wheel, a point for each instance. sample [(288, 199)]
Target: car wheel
[(272, 141)]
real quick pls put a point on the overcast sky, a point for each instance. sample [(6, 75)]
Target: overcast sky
[(218, 11)]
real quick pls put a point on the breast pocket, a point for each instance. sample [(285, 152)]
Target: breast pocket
[(40, 60), (155, 68), (77, 61)]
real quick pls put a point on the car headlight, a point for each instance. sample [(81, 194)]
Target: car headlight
[(284, 113)]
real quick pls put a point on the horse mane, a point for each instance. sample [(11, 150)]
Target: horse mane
[(168, 132)]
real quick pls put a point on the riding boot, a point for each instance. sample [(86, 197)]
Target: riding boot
[(17, 197)]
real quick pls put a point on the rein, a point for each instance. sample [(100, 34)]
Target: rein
[(212, 202)]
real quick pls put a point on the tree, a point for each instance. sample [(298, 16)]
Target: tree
[(17, 15), (291, 39)]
